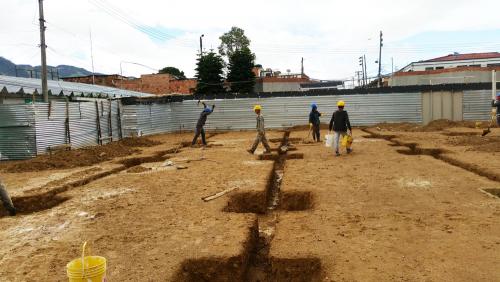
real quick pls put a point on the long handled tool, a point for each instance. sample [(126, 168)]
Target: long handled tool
[(309, 134), (488, 131)]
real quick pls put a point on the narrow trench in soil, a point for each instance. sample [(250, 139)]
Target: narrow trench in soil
[(259, 266), (50, 199), (436, 153)]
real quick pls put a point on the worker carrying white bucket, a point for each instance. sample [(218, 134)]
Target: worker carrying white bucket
[(340, 124), (261, 132), (6, 201)]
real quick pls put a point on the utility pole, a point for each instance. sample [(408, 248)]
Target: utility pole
[(201, 45), (494, 85), (366, 73), (302, 66), (45, 90), (380, 60), (392, 65), (362, 64)]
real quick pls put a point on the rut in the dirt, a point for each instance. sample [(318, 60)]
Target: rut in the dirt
[(436, 153), (49, 199), (259, 267), (255, 264)]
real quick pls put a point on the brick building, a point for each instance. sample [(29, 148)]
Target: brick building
[(112, 80), (159, 84)]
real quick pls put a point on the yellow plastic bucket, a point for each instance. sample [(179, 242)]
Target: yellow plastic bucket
[(347, 141), (87, 268)]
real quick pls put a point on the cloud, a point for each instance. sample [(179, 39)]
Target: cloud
[(330, 35)]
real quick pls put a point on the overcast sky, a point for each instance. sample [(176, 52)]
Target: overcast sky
[(329, 34)]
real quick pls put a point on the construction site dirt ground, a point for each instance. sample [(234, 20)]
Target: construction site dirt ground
[(406, 205)]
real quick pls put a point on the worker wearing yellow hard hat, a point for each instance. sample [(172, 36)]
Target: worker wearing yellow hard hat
[(340, 124), (261, 133)]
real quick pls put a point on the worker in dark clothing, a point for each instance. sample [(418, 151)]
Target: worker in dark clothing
[(201, 122), (6, 201), (496, 103), (340, 124), (314, 122)]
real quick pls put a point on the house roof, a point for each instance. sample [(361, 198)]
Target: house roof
[(322, 84), (59, 87), (471, 56), (90, 75), (447, 70)]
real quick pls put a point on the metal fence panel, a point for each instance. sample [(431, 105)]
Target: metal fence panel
[(477, 105), (17, 132), (50, 125), (83, 126)]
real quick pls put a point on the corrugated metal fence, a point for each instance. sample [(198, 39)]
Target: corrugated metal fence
[(17, 132), (477, 105), (28, 130), (237, 114)]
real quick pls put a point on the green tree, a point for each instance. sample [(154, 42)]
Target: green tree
[(173, 71), (233, 40), (209, 72), (240, 75)]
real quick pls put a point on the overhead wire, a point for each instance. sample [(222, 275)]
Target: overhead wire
[(152, 32)]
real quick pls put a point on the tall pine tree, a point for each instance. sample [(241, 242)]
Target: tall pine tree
[(209, 72), (240, 75)]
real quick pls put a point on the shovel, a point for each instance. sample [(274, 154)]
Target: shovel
[(488, 131)]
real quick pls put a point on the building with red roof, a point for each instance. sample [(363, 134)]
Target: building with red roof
[(450, 69), (456, 60)]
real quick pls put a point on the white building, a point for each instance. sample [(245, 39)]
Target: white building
[(456, 60)]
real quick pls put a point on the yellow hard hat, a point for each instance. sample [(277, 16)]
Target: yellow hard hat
[(257, 107), (340, 103)]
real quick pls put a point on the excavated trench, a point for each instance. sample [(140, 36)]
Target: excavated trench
[(47, 200), (453, 134), (255, 264), (493, 191), (436, 153)]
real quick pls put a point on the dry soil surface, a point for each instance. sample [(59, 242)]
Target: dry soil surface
[(391, 211)]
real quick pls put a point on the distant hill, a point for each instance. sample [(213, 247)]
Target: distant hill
[(9, 68)]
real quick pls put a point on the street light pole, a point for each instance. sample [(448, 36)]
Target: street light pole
[(201, 45)]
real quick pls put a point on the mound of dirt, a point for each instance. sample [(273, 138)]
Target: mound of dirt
[(436, 125), (441, 124), (477, 143), (402, 126), (139, 142), (80, 157)]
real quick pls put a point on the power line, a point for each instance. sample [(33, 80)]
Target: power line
[(150, 31)]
